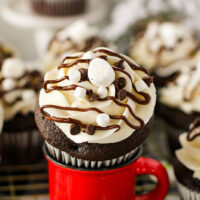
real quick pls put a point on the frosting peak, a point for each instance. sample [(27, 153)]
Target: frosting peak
[(188, 155), (104, 105)]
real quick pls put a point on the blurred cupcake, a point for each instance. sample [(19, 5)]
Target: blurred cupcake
[(6, 52), (187, 163), (19, 84), (95, 109), (76, 38), (59, 7), (160, 45), (179, 100)]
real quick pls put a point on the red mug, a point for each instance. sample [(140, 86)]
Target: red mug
[(117, 183)]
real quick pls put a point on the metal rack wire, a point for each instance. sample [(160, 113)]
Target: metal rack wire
[(25, 182)]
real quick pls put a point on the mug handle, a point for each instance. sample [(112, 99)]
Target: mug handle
[(153, 167)]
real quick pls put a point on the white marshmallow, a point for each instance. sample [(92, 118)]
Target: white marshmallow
[(8, 84), (100, 73), (140, 85), (74, 75), (28, 94), (168, 34), (102, 92), (152, 30), (103, 120), (88, 55), (80, 92), (13, 68), (12, 96)]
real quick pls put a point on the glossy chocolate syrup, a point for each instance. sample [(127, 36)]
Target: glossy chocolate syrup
[(145, 97)]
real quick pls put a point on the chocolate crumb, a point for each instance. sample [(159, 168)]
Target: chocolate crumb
[(92, 96), (90, 129), (119, 64), (121, 82), (84, 74), (75, 129), (122, 94)]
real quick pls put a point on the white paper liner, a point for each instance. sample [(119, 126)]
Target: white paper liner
[(186, 193), (65, 158)]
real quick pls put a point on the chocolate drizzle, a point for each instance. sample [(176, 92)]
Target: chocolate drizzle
[(194, 125), (122, 94)]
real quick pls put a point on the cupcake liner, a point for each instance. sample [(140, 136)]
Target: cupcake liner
[(59, 7), (20, 147), (65, 158), (186, 193)]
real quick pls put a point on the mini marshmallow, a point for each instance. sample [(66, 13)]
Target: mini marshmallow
[(168, 33), (103, 120), (13, 68), (152, 30), (101, 73), (8, 84), (88, 55), (80, 92), (140, 85), (102, 92), (74, 75), (28, 94), (12, 96)]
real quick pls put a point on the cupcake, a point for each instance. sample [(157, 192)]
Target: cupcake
[(161, 44), (187, 163), (179, 100), (59, 7), (95, 109), (5, 52), (76, 38), (19, 138)]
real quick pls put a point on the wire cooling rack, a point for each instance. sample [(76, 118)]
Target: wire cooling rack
[(24, 182)]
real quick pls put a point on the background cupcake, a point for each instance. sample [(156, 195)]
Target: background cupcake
[(161, 44), (95, 109), (75, 38), (179, 100), (19, 84), (5, 52), (59, 7), (187, 163)]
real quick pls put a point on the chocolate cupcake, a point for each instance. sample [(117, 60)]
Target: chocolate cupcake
[(179, 100), (79, 37), (19, 140), (187, 163), (59, 7), (160, 45), (95, 109)]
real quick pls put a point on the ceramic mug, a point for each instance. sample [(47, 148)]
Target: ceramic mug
[(117, 183)]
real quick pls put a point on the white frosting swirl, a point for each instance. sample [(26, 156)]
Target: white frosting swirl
[(188, 155), (184, 91), (162, 44), (68, 99)]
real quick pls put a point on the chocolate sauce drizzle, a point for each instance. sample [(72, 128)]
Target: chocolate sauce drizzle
[(194, 125), (145, 97)]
